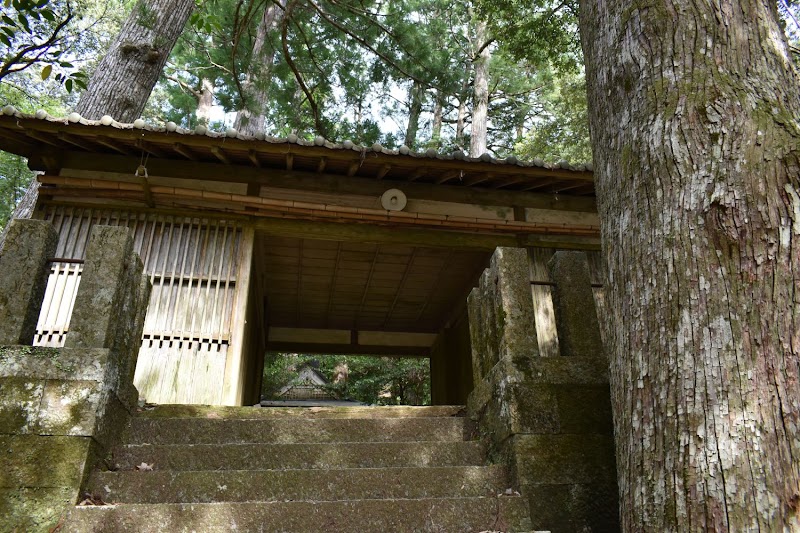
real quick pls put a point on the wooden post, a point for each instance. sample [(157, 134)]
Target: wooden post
[(233, 387)]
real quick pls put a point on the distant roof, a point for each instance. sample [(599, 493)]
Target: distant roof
[(31, 135)]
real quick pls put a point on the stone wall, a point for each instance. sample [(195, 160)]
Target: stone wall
[(549, 418), (61, 409)]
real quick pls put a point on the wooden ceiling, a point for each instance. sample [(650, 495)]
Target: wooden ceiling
[(357, 286)]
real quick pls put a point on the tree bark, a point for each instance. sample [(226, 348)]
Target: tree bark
[(205, 101), (414, 111), (438, 116), (480, 101), (251, 118), (694, 118), (125, 77)]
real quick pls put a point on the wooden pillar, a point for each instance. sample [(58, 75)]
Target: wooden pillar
[(235, 365)]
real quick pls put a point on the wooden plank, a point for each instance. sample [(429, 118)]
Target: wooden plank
[(349, 349), (110, 164), (546, 332), (233, 388), (362, 233)]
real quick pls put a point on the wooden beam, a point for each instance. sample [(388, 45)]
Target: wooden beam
[(185, 151), (479, 178), (39, 137), (289, 161), (417, 174), (114, 145), (152, 150), (77, 141), (368, 234), (447, 176), (311, 181), (253, 157), (499, 184), (353, 168), (348, 349), (219, 154), (323, 161), (383, 171)]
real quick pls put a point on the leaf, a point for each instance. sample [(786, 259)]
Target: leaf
[(46, 71), (48, 14), (68, 85)]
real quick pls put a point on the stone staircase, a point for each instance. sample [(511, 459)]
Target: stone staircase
[(331, 469)]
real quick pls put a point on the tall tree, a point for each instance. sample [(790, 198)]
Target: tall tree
[(126, 75), (480, 86), (694, 112), (251, 118)]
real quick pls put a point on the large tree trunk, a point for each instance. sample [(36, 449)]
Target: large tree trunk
[(438, 116), (127, 74), (250, 119), (694, 115), (125, 77), (205, 101), (414, 111), (480, 102)]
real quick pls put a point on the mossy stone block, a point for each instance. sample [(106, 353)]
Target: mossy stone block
[(565, 370), (561, 459), (574, 507), (44, 461), (584, 409), (70, 407), (23, 278), (20, 399), (34, 510)]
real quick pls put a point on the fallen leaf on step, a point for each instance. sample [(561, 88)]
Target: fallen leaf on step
[(144, 467)]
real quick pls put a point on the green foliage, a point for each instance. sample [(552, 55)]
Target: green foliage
[(36, 33), (562, 130), (542, 32), (14, 179), (367, 379)]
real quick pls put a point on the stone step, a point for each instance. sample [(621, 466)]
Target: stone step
[(306, 485), (145, 430), (249, 413), (292, 456), (446, 515)]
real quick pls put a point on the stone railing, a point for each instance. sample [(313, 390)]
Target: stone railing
[(548, 418), (61, 409)]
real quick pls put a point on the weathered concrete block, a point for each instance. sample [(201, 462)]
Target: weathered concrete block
[(44, 461), (574, 507), (560, 459), (52, 363), (20, 399), (23, 278), (573, 301)]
